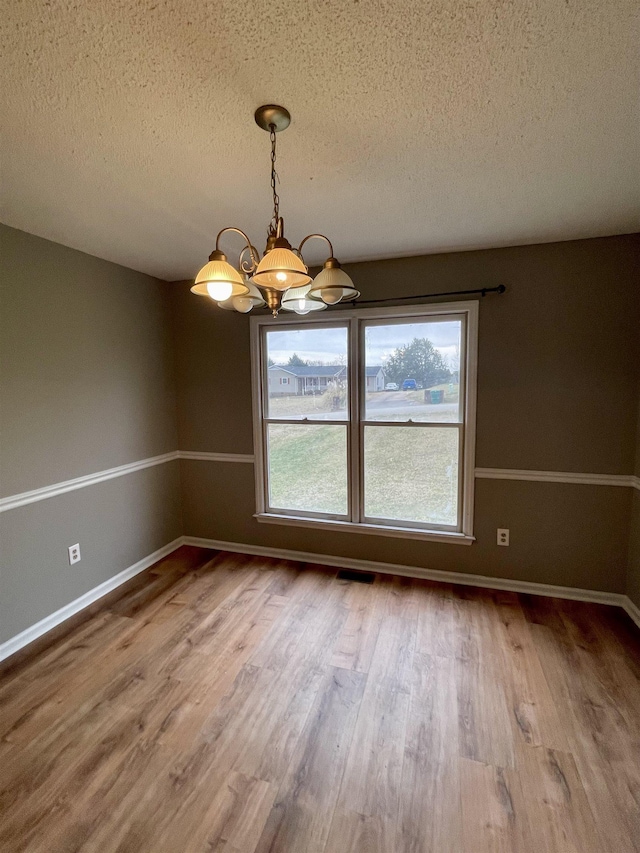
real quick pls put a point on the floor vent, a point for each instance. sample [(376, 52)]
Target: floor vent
[(358, 577)]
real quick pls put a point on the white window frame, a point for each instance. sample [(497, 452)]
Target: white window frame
[(355, 423)]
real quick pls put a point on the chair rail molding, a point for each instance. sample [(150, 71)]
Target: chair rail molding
[(24, 498), (204, 456), (625, 480)]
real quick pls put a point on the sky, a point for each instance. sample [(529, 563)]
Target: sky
[(330, 345)]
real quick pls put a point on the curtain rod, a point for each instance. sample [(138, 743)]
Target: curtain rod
[(482, 290)]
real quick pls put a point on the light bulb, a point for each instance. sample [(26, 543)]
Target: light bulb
[(301, 304), (219, 290), (331, 295), (243, 304), (281, 276)]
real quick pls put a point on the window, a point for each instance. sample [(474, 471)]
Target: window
[(377, 432)]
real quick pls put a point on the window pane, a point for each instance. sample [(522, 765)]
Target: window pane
[(413, 371), (411, 474), (308, 468), (307, 373)]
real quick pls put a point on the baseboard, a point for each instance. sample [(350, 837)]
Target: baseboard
[(27, 636), (572, 593)]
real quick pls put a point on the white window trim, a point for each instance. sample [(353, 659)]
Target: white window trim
[(470, 311)]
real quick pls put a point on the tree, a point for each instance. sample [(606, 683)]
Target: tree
[(296, 361), (419, 360)]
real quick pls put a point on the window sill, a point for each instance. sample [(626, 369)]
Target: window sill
[(375, 529)]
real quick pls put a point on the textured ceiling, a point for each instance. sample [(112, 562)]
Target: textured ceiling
[(417, 126)]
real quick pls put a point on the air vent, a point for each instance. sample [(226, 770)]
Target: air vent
[(358, 577)]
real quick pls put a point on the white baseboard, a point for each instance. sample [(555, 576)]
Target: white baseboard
[(35, 631), (567, 592)]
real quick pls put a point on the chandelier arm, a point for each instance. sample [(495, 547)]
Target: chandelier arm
[(255, 258), (309, 237), (248, 267)]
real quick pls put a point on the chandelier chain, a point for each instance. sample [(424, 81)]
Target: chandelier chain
[(273, 227)]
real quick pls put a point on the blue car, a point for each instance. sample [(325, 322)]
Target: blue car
[(409, 385)]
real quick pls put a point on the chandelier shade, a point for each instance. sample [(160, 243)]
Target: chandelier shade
[(333, 285), (219, 280), (297, 299), (281, 269)]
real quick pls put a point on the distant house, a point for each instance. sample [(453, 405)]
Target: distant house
[(375, 378), (288, 379)]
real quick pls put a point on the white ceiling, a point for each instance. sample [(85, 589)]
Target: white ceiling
[(418, 126)]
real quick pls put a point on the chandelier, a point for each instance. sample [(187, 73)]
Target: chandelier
[(280, 279)]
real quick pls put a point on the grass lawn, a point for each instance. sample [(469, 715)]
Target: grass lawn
[(306, 406), (410, 473)]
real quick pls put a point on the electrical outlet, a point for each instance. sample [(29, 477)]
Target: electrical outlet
[(503, 536), (74, 554)]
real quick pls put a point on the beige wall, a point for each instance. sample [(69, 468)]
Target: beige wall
[(558, 377), (86, 383)]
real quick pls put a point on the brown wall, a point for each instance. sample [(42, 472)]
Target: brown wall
[(86, 384), (557, 389)]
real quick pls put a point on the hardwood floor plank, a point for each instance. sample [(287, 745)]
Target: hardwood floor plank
[(280, 713), (484, 725), (547, 789), (534, 714), (430, 788), (372, 779), (235, 815), (356, 833), (357, 641), (458, 623), (490, 823), (301, 815)]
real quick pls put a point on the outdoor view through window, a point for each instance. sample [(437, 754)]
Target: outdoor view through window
[(307, 378), (388, 451), (411, 471)]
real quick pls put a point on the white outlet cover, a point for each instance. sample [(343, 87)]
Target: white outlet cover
[(503, 536), (74, 554)]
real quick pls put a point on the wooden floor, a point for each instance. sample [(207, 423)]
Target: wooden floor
[(235, 704)]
